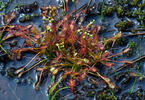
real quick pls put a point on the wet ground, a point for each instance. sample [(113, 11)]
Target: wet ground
[(130, 88)]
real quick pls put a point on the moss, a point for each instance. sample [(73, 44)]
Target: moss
[(132, 47), (135, 2), (91, 93), (108, 10), (120, 11), (119, 2), (123, 25), (121, 41), (25, 18), (27, 8), (11, 72), (4, 5), (106, 95), (132, 44), (131, 13), (138, 11)]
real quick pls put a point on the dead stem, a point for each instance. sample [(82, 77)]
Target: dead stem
[(40, 77), (32, 59), (20, 74), (107, 80), (22, 68), (39, 81)]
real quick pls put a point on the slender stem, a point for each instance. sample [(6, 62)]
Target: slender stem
[(31, 67), (32, 59), (39, 80)]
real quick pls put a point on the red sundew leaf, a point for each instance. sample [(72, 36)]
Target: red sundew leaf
[(69, 32), (107, 80), (38, 36), (72, 39), (82, 76), (93, 69), (128, 63), (72, 84), (24, 32), (83, 43), (19, 51), (28, 42), (95, 32), (126, 50), (104, 56), (70, 36), (109, 64), (73, 25), (20, 31), (18, 55), (58, 57), (83, 51), (19, 26), (67, 73), (43, 49), (34, 30), (100, 46)]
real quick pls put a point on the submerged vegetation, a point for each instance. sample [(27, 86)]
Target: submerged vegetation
[(69, 48)]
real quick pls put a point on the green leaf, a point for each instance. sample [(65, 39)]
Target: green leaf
[(133, 85), (53, 88), (53, 97)]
